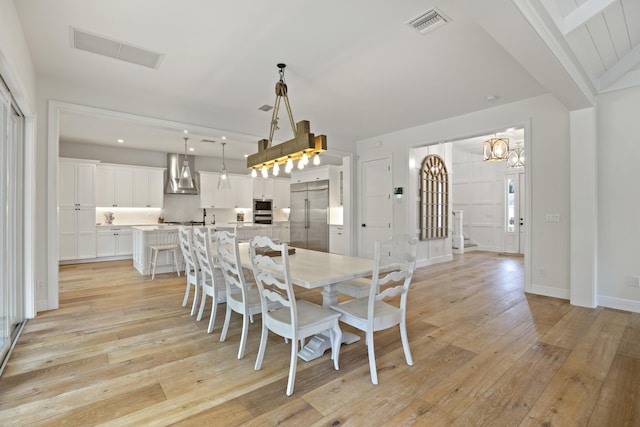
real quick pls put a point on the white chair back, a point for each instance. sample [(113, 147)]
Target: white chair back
[(273, 278)]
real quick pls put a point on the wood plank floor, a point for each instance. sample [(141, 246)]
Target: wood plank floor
[(122, 351)]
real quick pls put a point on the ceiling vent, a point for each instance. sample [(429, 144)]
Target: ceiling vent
[(265, 107), (115, 49), (429, 21)]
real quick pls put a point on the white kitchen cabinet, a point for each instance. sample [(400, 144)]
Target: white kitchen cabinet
[(263, 188), (76, 209), (148, 187), (281, 193), (114, 185), (114, 241), (337, 240), (211, 196), (243, 187)]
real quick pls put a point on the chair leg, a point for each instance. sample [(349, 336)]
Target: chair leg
[(336, 340), (154, 257), (202, 303), (194, 306), (263, 346), (292, 366), (405, 342), (243, 337), (225, 326), (214, 308), (186, 293), (372, 357)]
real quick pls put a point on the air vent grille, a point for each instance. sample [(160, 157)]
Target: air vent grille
[(265, 107), (429, 21), (115, 49)]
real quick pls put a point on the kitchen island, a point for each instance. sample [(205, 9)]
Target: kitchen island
[(144, 235)]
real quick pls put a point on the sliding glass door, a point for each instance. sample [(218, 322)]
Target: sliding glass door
[(11, 220)]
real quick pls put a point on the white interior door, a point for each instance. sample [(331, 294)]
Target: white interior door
[(515, 221), (376, 204)]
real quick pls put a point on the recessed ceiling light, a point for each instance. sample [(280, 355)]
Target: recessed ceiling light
[(246, 155), (491, 97), (224, 137), (185, 131), (192, 149), (120, 141)]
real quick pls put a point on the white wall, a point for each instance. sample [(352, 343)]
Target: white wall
[(15, 60), (546, 123), (618, 198)]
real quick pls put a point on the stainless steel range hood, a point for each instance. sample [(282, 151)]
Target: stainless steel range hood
[(174, 166)]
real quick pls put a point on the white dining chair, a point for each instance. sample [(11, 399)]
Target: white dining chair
[(211, 277), (395, 262), (191, 269), (297, 319), (164, 242), (242, 296)]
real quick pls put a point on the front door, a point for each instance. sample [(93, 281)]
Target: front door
[(376, 203)]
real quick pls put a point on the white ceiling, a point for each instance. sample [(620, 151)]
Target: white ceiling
[(355, 69)]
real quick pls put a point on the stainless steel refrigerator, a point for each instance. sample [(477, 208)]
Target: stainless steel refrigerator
[(309, 215)]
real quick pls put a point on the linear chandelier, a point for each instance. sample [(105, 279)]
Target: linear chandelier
[(496, 149), (303, 145)]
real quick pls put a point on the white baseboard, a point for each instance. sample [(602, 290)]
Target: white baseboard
[(431, 261), (619, 303), (549, 291)]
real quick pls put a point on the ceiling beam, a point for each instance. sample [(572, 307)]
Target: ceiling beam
[(584, 13), (619, 69)]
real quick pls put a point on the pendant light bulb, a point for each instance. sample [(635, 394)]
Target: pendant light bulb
[(254, 173), (185, 180), (265, 172), (301, 164), (289, 166), (316, 159), (305, 158), (276, 169)]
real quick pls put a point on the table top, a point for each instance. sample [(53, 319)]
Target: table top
[(313, 269)]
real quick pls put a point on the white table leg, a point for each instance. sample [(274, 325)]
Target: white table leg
[(321, 342)]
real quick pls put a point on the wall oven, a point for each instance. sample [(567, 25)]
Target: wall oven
[(262, 211)]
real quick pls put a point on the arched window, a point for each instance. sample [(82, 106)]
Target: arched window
[(434, 198)]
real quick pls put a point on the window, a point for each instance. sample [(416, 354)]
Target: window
[(434, 198)]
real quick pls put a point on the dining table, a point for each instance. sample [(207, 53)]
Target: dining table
[(314, 269)]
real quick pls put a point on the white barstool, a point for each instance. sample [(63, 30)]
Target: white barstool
[(159, 247)]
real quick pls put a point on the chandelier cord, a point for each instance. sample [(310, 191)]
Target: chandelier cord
[(281, 92)]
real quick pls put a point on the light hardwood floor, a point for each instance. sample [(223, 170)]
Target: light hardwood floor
[(122, 351)]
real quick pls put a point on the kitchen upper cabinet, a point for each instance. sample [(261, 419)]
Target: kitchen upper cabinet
[(211, 196), (114, 185), (148, 188), (114, 241), (239, 196), (262, 188), (243, 186), (281, 193), (76, 209)]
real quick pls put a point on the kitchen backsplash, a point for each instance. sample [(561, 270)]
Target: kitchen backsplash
[(179, 208)]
